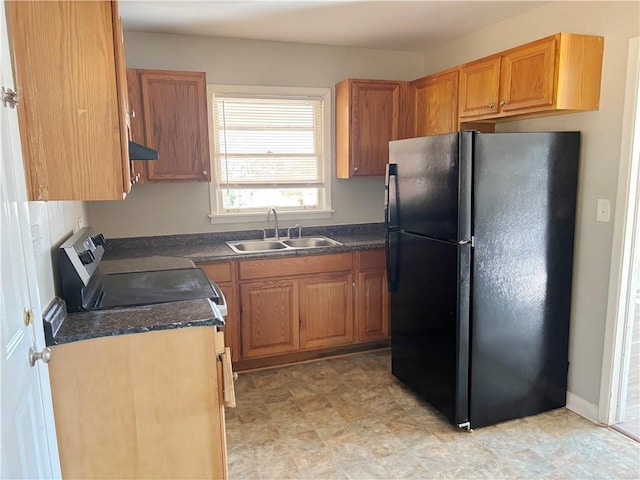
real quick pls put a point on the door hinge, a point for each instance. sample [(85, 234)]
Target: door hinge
[(9, 98)]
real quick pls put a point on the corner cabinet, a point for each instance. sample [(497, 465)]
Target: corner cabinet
[(69, 64), (171, 116), (369, 113), (113, 410), (435, 103), (557, 74)]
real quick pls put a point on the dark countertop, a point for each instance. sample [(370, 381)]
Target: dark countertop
[(181, 251), (122, 321), (210, 247)]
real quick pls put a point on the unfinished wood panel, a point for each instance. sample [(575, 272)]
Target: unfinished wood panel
[(113, 417), (326, 311), (174, 110), (435, 104), (579, 67), (269, 318), (288, 266), (70, 111)]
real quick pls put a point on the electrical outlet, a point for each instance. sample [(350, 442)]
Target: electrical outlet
[(603, 210)]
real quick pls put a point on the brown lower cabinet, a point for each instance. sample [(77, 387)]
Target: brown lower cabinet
[(144, 405), (289, 309)]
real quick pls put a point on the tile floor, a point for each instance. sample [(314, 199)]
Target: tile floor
[(348, 418)]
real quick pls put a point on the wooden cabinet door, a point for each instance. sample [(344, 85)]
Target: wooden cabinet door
[(71, 109), (479, 87), (326, 311), (527, 78), (374, 121), (174, 111), (369, 113), (269, 318), (435, 104), (373, 306)]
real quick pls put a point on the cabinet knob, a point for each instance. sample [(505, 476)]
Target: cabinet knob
[(205, 173), (132, 114), (502, 103), (355, 169), (44, 355), (491, 105)]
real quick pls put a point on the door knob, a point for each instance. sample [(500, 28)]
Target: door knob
[(34, 356)]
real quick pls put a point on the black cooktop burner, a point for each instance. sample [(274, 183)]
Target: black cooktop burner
[(144, 288)]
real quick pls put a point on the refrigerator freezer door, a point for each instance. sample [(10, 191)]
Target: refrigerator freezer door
[(524, 215), (430, 320), (432, 187)]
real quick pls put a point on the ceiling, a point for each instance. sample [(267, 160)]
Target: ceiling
[(395, 25)]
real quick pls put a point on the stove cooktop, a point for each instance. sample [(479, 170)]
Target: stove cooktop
[(145, 288)]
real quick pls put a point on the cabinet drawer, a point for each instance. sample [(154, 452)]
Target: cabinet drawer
[(371, 259), (218, 272), (277, 267)]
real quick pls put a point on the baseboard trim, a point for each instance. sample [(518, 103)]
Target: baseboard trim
[(583, 408)]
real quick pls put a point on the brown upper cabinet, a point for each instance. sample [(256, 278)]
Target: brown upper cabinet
[(369, 113), (171, 117), (435, 103), (71, 99), (557, 74)]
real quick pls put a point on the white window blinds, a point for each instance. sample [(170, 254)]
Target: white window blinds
[(268, 142)]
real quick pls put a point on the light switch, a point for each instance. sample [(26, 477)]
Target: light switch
[(603, 213)]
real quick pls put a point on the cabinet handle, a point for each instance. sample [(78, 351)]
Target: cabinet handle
[(132, 114), (491, 105), (502, 103)]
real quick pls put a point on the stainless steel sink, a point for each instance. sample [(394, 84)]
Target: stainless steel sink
[(253, 246), (310, 242), (244, 246)]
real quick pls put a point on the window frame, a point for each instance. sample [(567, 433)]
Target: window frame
[(216, 214)]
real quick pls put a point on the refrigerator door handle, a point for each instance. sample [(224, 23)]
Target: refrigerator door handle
[(471, 241), (391, 171)]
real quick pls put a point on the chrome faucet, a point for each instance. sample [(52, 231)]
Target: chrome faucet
[(291, 228), (275, 221)]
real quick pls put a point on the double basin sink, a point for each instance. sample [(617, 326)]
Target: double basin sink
[(271, 245)]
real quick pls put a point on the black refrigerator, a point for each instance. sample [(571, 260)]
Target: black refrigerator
[(479, 238)]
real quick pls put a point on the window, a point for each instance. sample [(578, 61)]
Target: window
[(271, 148)]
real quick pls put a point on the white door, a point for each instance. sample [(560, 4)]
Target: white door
[(26, 449)]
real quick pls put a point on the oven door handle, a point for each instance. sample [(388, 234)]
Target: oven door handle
[(222, 306)]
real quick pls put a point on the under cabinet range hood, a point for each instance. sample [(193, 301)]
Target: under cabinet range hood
[(140, 152)]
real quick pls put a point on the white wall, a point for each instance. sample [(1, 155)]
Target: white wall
[(601, 140), (183, 208), (51, 224)]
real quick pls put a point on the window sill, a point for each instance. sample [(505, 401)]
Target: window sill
[(217, 219)]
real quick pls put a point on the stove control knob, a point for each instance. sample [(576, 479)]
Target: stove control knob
[(86, 257), (99, 239)]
